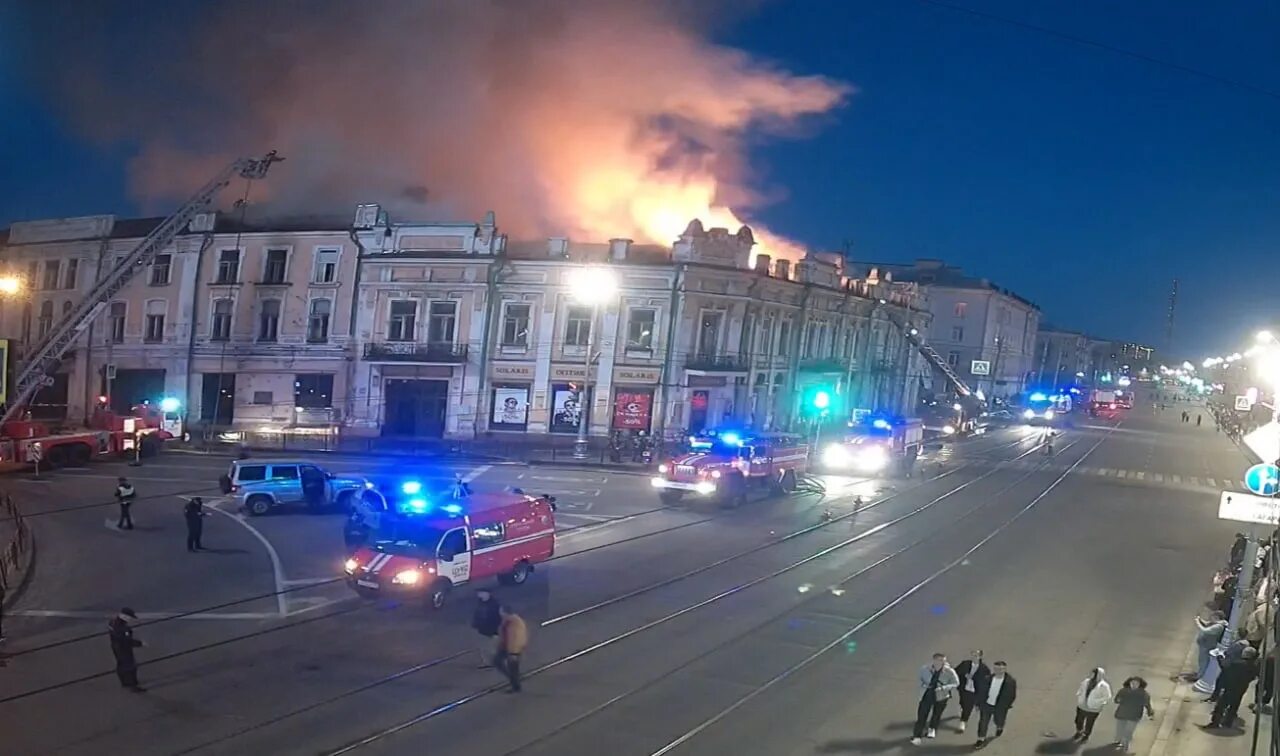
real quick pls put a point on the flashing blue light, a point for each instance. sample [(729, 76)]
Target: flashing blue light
[(1075, 390), (880, 423), (731, 438), (1038, 397), (411, 487), (452, 509), (417, 505)]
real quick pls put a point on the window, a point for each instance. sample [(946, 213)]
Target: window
[(46, 318), (766, 337), (953, 358), (813, 342), (52, 272), (404, 316), (577, 326), (313, 390), (263, 397), (454, 543), (153, 330), (33, 273), (515, 324), (960, 308), (115, 322), (220, 323), (284, 472), (640, 329), (441, 319), (784, 339), (318, 321), (326, 266), (228, 266), (269, 320), (277, 263), (69, 278), (160, 268), (487, 535), (250, 473), (957, 333), (66, 308), (709, 333)]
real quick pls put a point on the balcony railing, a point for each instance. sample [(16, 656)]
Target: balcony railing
[(726, 363), (408, 351), (824, 365)]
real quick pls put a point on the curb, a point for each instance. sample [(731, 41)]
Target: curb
[(1174, 717), (466, 458)]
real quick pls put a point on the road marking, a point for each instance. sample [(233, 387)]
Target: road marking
[(277, 568), (591, 517), (1104, 470), (1139, 475), (229, 616), (475, 473), (1213, 483), (1177, 479), (1193, 480), (1121, 473), (1158, 477), (309, 581)]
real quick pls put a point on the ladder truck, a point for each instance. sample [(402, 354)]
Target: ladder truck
[(23, 441), (968, 406)]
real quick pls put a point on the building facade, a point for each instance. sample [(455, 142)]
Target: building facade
[(1062, 357), (450, 330)]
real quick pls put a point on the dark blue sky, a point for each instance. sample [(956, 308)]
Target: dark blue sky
[(1082, 179)]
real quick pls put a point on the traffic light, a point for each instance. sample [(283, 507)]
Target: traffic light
[(820, 401)]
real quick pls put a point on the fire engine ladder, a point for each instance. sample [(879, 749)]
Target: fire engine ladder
[(935, 359), (47, 355)]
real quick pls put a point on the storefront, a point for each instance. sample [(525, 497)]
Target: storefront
[(510, 396), (633, 392), (565, 394)]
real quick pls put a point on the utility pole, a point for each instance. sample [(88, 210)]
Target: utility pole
[(1168, 325)]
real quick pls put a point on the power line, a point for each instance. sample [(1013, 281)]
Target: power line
[(1086, 42)]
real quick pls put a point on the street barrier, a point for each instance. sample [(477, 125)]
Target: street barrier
[(20, 541)]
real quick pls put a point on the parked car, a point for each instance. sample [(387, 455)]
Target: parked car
[(263, 485)]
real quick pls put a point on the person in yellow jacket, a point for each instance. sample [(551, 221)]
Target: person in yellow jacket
[(513, 636)]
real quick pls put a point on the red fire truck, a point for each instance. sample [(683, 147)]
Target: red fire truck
[(725, 465), (876, 445), (424, 545), (27, 442)]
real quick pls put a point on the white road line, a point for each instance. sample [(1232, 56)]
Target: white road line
[(1121, 473), (591, 517), (1213, 482), (1104, 470), (277, 568), (60, 614), (1140, 475), (1193, 480), (1177, 479), (477, 472), (1158, 477), (309, 581)]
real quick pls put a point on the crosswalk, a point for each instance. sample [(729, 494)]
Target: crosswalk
[(1141, 477)]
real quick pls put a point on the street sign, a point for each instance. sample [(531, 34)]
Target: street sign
[(1243, 404), (980, 367), (1243, 507), (1265, 441), (1263, 479)]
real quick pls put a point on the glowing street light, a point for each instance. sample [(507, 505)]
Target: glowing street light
[(591, 285), (10, 285)]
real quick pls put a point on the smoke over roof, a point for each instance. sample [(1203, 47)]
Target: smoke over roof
[(591, 119)]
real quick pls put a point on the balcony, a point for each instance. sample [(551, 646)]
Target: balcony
[(823, 365), (718, 363), (408, 351)]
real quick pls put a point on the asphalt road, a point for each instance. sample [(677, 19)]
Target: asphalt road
[(791, 625)]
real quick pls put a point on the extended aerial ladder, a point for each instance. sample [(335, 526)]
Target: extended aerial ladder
[(931, 355), (47, 355)]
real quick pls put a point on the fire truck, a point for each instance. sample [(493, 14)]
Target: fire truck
[(24, 440), (420, 544), (876, 445), (1104, 403), (725, 465)]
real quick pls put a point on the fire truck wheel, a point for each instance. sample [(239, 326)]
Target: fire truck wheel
[(788, 482), (517, 576), (343, 504), (670, 497), (80, 455), (438, 594), (258, 505), (735, 492), (150, 445), (55, 457)]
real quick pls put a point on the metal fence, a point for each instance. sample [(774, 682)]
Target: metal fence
[(18, 544)]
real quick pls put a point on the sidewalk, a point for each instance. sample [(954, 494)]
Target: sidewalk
[(1181, 734)]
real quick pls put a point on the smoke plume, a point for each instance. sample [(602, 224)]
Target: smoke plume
[(591, 118)]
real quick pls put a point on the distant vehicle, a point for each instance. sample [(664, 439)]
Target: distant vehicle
[(424, 545), (1124, 399), (263, 485), (998, 417), (1046, 409), (876, 445), (1104, 403), (724, 465)]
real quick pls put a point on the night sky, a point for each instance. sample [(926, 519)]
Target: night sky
[(1082, 179)]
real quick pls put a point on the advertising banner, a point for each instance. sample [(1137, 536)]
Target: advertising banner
[(632, 409), (510, 407), (566, 407)]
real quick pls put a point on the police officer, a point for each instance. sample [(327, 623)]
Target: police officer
[(125, 496), (194, 514), (122, 645)]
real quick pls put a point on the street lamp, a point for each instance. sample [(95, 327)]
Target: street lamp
[(592, 285), (10, 285)]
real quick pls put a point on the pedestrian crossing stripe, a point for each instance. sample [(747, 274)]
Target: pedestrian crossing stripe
[(1169, 480)]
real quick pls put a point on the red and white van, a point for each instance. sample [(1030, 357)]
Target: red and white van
[(419, 548)]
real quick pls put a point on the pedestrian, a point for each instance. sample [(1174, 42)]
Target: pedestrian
[(194, 514), (1256, 626), (1263, 697), (995, 698), (122, 645), (124, 496), (1092, 697), (937, 680), (973, 674), (1198, 419), (513, 637), (1131, 701), (1235, 559), (1208, 636), (1235, 680), (487, 620), (1233, 654)]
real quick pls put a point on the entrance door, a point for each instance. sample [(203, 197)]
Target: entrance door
[(454, 558), (315, 486), (415, 407)]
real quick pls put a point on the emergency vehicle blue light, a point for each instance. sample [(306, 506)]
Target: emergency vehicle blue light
[(1038, 397), (452, 508), (880, 423), (417, 505), (411, 487), (731, 438)]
